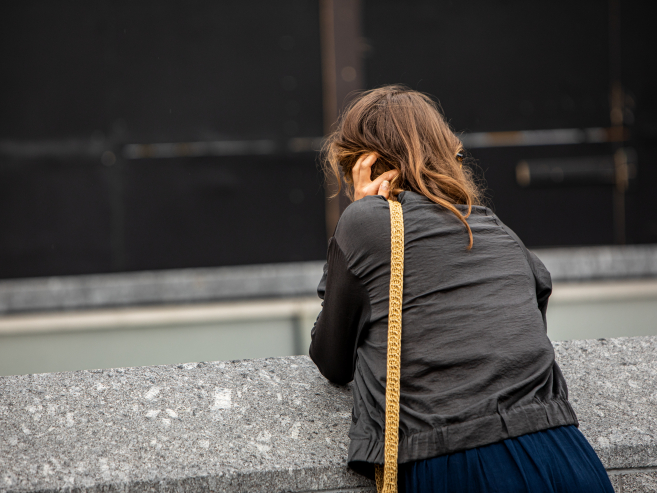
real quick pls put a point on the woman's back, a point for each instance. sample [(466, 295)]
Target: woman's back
[(476, 364)]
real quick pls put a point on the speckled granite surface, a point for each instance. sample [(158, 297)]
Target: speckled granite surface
[(613, 388), (269, 425)]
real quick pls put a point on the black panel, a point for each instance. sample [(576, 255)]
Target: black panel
[(160, 71), (515, 65), (641, 214), (639, 44), (571, 215), (496, 65), (223, 211), (122, 72), (53, 82), (212, 70), (55, 218)]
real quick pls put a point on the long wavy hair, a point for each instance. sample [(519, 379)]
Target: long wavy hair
[(407, 131)]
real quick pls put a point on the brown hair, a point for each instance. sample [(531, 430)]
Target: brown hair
[(407, 131)]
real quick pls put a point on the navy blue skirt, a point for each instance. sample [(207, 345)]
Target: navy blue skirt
[(558, 460)]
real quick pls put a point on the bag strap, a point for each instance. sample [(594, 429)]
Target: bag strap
[(386, 475)]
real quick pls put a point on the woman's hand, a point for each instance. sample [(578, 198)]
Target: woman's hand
[(362, 176)]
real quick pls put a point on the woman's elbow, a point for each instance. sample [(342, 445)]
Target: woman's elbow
[(338, 377), (334, 373)]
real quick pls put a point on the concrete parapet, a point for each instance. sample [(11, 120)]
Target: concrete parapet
[(160, 287), (594, 263), (269, 425)]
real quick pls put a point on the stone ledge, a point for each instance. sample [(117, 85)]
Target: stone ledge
[(580, 264), (245, 282), (269, 425)]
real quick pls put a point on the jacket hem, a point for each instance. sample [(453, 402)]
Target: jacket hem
[(538, 416)]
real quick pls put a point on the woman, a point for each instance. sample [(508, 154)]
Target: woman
[(483, 406)]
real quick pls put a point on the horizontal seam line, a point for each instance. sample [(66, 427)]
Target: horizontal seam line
[(346, 488), (632, 470)]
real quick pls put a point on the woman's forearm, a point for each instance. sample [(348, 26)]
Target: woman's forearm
[(345, 313)]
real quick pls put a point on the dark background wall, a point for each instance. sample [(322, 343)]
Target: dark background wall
[(82, 80), (158, 72), (514, 65)]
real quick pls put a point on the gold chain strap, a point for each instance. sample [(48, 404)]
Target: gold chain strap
[(386, 475)]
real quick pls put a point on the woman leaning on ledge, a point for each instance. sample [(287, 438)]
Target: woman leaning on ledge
[(483, 406)]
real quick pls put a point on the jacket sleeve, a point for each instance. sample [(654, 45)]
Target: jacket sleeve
[(543, 284), (345, 313), (542, 278)]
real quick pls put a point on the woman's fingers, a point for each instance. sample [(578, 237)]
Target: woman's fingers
[(362, 171), (355, 171), (369, 160), (387, 176), (361, 175), (374, 187), (384, 189)]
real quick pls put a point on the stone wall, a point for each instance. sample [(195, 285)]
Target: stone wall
[(269, 425), (160, 287)]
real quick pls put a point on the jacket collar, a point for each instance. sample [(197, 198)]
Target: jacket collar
[(408, 197)]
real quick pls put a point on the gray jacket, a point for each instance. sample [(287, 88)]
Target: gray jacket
[(477, 365)]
